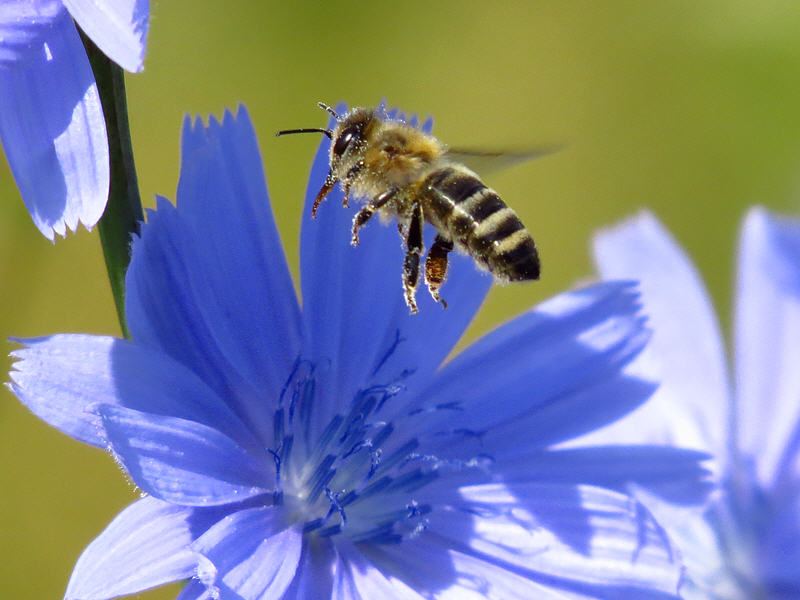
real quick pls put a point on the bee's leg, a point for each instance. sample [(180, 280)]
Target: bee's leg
[(413, 251), (330, 181), (366, 213), (348, 181), (436, 267)]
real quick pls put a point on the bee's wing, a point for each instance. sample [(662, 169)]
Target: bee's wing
[(486, 161)]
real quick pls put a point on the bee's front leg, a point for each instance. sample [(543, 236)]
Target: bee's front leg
[(413, 252), (366, 213), (330, 181), (436, 267)]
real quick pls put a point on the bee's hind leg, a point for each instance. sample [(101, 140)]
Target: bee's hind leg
[(436, 267), (366, 213), (411, 263)]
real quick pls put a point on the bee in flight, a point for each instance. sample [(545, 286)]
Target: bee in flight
[(406, 173)]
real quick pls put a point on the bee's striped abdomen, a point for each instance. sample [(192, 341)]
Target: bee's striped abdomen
[(481, 223)]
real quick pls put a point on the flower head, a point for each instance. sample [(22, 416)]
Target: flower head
[(746, 544), (326, 451), (51, 121)]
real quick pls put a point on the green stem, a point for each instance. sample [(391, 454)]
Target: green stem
[(123, 215)]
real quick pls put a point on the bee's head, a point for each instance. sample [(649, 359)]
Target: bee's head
[(348, 136)]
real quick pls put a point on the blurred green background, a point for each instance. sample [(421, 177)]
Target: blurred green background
[(691, 109)]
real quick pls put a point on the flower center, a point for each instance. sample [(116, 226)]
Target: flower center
[(354, 478)]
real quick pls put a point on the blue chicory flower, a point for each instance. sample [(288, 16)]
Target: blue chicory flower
[(51, 121), (746, 543), (325, 451)]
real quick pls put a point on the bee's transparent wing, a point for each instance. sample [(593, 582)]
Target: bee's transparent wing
[(486, 161)]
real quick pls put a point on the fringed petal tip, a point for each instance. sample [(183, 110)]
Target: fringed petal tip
[(54, 134)]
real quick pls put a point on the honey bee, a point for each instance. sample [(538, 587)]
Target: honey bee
[(406, 173)]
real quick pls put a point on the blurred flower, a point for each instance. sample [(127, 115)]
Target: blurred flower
[(51, 120), (746, 544), (325, 452)]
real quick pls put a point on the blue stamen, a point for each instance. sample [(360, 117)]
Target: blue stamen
[(413, 480), (336, 507), (278, 428), (295, 366), (322, 475), (329, 531), (402, 454), (389, 352), (453, 405), (376, 487)]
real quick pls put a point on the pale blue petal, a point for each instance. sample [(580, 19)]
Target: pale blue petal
[(353, 299), (637, 559), (60, 377), (167, 310), (181, 461), (253, 554), (686, 354), (53, 131), (549, 375), (117, 27), (146, 545), (239, 272), (768, 345)]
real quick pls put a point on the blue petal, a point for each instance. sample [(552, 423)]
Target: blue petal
[(500, 550), (146, 545), (53, 131), (117, 27), (319, 573), (671, 473), (182, 461), (768, 345), (549, 375), (24, 28), (252, 554), (368, 581), (239, 271), (686, 353), (353, 298), (61, 376), (166, 310)]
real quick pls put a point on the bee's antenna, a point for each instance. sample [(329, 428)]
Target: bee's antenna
[(327, 132), (324, 106)]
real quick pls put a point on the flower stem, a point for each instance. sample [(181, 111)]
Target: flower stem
[(123, 214)]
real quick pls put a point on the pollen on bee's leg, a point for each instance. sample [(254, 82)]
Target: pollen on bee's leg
[(436, 267), (410, 294)]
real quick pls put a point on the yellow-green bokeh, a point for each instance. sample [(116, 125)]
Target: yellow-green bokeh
[(690, 109)]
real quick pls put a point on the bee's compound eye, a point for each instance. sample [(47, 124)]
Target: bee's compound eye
[(344, 140)]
